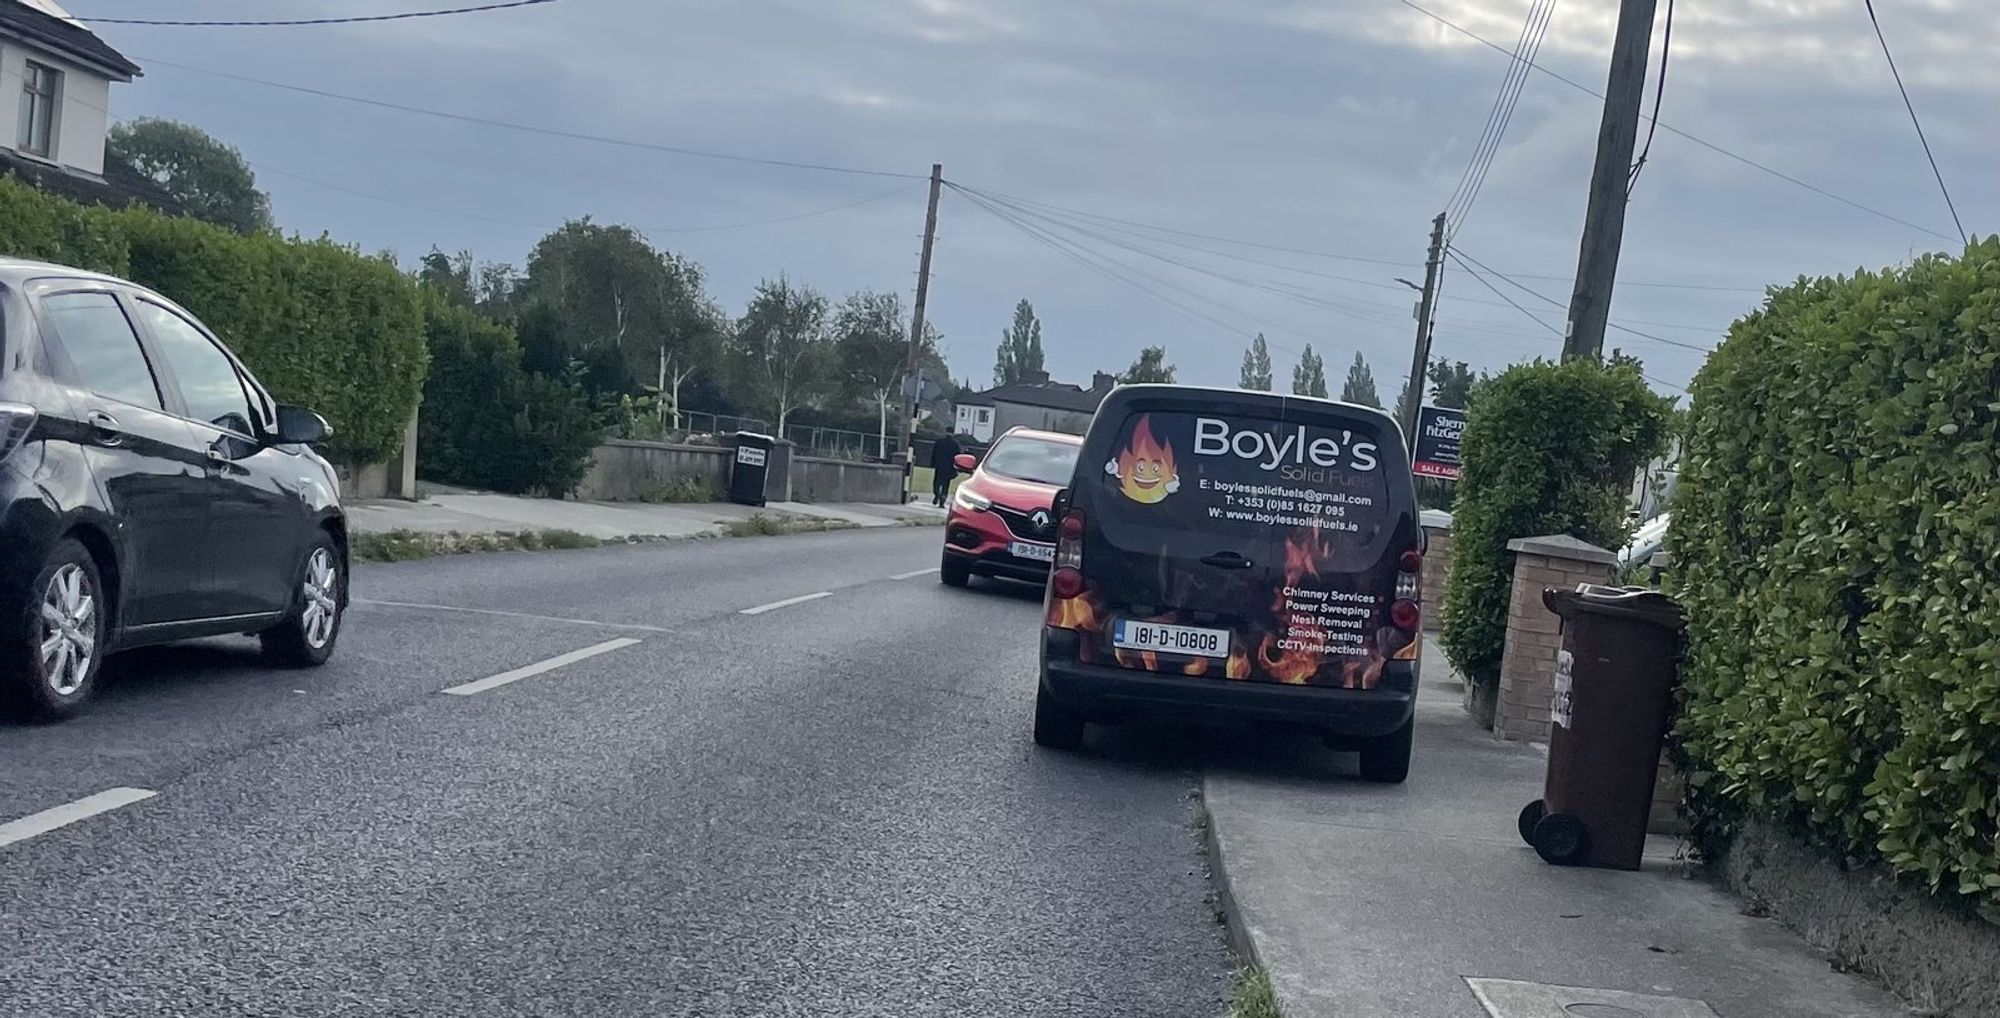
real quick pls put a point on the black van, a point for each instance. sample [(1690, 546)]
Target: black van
[(1232, 555)]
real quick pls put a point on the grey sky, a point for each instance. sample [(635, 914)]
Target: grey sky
[(1337, 126)]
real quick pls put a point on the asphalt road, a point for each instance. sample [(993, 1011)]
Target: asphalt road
[(828, 808)]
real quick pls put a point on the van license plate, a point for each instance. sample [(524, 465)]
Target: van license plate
[(1131, 634), (1031, 551)]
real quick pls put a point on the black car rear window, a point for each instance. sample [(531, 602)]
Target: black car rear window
[(1257, 479)]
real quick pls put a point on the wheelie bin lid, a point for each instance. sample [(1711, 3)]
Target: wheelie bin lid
[(1640, 604)]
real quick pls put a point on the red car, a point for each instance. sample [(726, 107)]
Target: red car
[(1001, 521)]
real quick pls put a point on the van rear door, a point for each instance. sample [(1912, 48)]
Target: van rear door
[(1243, 536)]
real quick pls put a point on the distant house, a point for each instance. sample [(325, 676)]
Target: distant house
[(1033, 402), (55, 107)]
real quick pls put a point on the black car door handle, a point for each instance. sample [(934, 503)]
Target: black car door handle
[(106, 427), (1226, 560)]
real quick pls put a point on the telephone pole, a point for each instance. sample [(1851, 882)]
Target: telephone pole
[(917, 329), (1420, 360), (1604, 221)]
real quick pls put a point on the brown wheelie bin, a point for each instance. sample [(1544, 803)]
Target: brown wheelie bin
[(1614, 690)]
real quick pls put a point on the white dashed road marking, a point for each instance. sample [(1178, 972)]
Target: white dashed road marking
[(509, 615), (529, 671), (914, 574), (786, 603), (69, 813)]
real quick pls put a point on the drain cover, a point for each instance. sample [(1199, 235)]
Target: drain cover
[(1514, 998)]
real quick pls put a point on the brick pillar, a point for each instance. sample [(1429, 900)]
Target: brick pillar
[(1534, 634), (1437, 569)]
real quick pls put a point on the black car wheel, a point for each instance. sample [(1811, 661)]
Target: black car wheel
[(305, 639), (50, 665), (954, 571)]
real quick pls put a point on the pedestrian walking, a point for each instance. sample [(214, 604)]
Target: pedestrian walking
[(944, 467)]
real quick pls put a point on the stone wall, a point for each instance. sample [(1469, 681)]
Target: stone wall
[(627, 471), (828, 480), (1534, 633), (1437, 570)]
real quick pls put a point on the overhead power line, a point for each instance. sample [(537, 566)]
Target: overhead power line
[(1914, 122), (1671, 129), (347, 20), (466, 118), (1462, 263), (1546, 299), (1534, 29), (1659, 94)]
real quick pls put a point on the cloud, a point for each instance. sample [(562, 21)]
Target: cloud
[(1335, 126)]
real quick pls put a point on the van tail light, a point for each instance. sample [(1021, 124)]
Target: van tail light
[(1411, 561), (16, 420), (1067, 579), (1410, 575), (1405, 615)]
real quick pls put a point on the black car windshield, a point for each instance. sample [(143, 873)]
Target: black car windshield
[(1033, 459)]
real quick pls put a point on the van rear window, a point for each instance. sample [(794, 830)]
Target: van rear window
[(1224, 476)]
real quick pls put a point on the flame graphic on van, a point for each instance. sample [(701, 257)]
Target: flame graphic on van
[(1145, 470)]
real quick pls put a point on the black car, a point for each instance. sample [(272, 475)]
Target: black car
[(1237, 556), (150, 490)]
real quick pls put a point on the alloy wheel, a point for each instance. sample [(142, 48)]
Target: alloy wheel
[(69, 630), (321, 597)]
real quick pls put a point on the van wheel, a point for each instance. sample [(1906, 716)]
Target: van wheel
[(1386, 759), (954, 571), (48, 668), (305, 639), (1056, 727)]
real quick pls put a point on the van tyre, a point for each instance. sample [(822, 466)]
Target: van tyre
[(319, 604), (1055, 726), (954, 571), (1386, 759), (49, 664)]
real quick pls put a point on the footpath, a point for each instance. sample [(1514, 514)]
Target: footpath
[(1369, 901), (453, 511)]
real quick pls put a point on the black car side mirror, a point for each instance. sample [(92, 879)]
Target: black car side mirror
[(299, 426)]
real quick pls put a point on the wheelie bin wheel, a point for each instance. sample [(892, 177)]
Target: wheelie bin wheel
[(1531, 814), (1560, 838)]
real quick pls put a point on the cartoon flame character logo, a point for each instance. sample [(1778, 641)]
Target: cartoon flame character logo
[(1145, 470)]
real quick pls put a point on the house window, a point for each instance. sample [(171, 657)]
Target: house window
[(38, 108), (985, 416)]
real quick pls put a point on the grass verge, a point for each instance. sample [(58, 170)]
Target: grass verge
[(1252, 996), (406, 545), (763, 524)]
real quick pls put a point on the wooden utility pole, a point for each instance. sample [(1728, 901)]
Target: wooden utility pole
[(917, 329), (1604, 221), (1420, 360)]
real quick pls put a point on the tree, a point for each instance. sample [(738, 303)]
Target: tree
[(1451, 384), (206, 176), (1020, 347), (1360, 385), (1309, 378), (625, 309), (782, 348), (1151, 366), (872, 341), (1256, 366)]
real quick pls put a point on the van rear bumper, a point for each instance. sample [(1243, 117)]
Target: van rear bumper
[(1111, 693)]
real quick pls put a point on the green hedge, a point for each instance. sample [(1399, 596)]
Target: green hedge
[(320, 324), (1836, 539), (489, 424), (1548, 449)]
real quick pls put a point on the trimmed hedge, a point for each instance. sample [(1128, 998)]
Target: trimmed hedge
[(320, 324), (1836, 539), (489, 424), (1548, 449)]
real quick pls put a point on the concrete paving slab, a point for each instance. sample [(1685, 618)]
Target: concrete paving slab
[(1512, 998), (1367, 900)]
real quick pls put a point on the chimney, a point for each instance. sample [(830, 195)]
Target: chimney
[(1102, 382), (1035, 377)]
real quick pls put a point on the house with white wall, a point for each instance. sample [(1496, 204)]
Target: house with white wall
[(1032, 402), (55, 106)]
